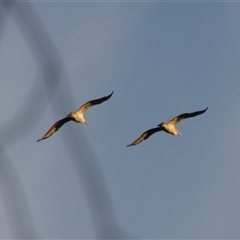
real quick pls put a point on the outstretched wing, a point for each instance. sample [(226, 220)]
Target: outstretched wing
[(145, 136), (54, 128), (91, 103), (179, 118)]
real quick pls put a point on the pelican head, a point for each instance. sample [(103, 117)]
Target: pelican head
[(161, 124), (70, 115)]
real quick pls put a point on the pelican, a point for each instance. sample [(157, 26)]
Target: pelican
[(169, 127), (77, 116)]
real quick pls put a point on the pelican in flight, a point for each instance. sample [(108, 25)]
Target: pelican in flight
[(77, 116), (169, 127)]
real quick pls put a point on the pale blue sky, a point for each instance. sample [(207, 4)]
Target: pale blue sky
[(160, 59)]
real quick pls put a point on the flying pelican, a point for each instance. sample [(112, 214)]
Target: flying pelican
[(169, 127), (77, 116)]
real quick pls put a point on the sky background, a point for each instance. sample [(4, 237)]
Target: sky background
[(160, 59)]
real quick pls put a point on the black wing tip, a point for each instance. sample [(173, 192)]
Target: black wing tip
[(205, 109), (107, 97), (132, 144), (39, 140), (110, 94)]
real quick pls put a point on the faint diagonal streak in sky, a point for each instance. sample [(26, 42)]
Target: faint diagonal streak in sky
[(80, 152)]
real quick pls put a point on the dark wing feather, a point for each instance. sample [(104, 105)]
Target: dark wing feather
[(186, 115), (54, 128), (145, 136), (92, 103)]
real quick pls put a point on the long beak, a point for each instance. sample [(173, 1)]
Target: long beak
[(87, 122)]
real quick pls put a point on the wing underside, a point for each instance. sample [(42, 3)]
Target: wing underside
[(145, 136), (92, 103), (186, 115), (54, 128)]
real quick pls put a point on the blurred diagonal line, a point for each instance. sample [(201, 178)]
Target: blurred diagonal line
[(86, 164), (98, 196), (15, 200), (46, 56), (19, 127)]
